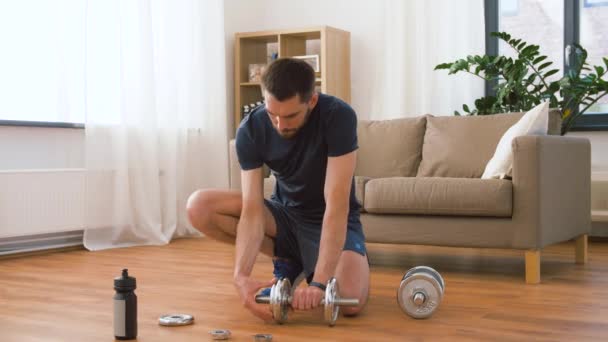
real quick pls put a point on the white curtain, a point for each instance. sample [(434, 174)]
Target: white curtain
[(418, 35), (156, 123)]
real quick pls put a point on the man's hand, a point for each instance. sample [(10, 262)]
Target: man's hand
[(307, 298), (247, 288)]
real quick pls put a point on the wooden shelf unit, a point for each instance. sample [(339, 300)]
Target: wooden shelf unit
[(331, 44)]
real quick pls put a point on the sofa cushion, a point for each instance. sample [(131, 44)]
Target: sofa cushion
[(389, 148), (360, 182), (534, 122), (439, 196), (462, 146)]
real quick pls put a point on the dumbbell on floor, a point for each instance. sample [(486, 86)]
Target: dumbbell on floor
[(420, 292), (280, 301)]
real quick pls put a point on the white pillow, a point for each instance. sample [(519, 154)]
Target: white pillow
[(534, 122)]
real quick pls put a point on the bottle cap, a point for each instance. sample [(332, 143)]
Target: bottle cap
[(124, 282)]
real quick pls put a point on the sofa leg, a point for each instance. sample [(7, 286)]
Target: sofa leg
[(533, 266), (581, 249)]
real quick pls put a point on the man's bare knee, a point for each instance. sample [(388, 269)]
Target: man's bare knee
[(353, 276), (350, 311), (200, 210)]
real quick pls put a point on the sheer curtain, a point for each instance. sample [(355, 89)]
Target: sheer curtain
[(418, 35), (156, 125)]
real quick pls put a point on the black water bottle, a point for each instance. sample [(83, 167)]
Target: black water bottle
[(125, 307)]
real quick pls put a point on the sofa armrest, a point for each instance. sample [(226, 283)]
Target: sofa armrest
[(551, 189)]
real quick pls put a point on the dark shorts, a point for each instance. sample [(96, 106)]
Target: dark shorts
[(298, 236)]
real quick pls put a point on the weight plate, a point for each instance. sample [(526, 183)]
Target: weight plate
[(428, 270), (419, 282), (175, 319), (331, 309), (262, 337), (279, 300), (220, 334)]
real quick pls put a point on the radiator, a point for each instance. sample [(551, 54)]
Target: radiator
[(36, 202)]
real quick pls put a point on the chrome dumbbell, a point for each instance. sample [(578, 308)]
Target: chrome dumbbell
[(280, 301), (420, 292)]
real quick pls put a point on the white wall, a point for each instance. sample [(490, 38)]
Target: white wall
[(599, 149)]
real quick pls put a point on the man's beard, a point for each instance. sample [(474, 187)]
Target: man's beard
[(292, 132)]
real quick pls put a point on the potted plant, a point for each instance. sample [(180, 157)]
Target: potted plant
[(522, 82)]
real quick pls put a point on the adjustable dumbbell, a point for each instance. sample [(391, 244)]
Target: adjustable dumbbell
[(280, 301), (420, 292)]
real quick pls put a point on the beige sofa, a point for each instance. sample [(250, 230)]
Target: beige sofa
[(418, 180)]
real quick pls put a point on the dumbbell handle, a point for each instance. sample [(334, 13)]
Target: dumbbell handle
[(338, 301), (419, 298)]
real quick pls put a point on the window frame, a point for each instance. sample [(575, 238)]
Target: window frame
[(47, 124), (586, 122)]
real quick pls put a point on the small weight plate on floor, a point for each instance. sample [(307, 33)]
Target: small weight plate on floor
[(262, 337), (220, 334), (175, 319)]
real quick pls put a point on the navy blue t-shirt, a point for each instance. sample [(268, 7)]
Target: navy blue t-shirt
[(300, 163)]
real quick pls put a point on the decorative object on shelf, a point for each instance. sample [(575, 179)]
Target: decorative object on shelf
[(248, 108), (522, 82), (272, 52), (255, 72), (313, 60)]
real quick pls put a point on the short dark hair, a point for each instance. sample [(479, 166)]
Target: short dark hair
[(287, 77)]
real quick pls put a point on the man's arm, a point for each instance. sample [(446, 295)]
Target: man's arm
[(249, 237), (338, 182), (250, 228)]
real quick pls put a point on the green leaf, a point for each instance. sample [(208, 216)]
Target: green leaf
[(521, 45), (466, 108), (553, 87), (527, 50), (539, 59), (443, 66), (599, 70), (515, 42), (544, 65), (502, 35), (551, 72)]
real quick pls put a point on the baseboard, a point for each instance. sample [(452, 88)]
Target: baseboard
[(41, 243), (41, 252)]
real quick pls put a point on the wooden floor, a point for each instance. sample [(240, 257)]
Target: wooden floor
[(68, 296)]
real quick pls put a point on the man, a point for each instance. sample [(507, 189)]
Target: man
[(311, 225)]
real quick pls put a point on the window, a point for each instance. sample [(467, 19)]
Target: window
[(594, 38), (553, 25), (42, 61), (535, 21)]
